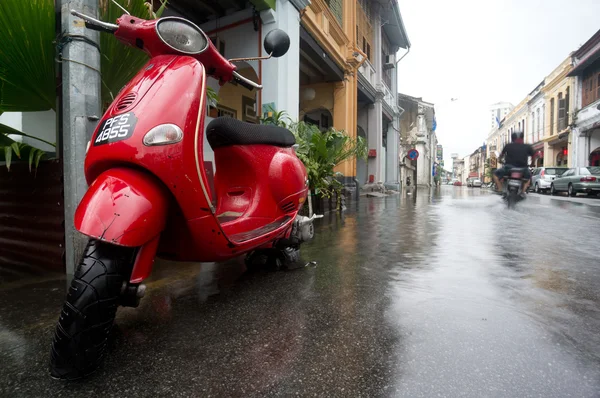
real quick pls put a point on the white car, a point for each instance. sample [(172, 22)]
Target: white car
[(476, 183)]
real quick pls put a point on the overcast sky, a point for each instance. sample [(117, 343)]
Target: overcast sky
[(483, 52)]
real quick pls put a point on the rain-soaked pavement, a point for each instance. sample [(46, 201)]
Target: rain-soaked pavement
[(423, 295)]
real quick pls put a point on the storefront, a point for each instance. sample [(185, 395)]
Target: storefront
[(595, 158), (538, 156), (556, 151)]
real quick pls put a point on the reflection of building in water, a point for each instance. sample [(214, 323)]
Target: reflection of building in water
[(551, 279)]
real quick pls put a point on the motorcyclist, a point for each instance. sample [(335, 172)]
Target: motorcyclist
[(516, 155)]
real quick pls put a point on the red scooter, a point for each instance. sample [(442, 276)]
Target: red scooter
[(149, 194)]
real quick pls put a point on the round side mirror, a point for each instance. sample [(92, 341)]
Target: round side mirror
[(277, 42)]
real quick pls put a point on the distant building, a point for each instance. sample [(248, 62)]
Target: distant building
[(498, 111), (417, 132)]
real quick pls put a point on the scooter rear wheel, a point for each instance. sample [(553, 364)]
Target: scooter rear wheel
[(87, 317), (272, 259)]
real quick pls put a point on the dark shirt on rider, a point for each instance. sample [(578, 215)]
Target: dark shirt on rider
[(517, 154)]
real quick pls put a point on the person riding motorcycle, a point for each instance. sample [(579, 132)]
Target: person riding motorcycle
[(516, 155)]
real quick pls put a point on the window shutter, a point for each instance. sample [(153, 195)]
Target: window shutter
[(561, 114)]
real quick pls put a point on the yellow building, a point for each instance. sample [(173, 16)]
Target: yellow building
[(559, 103), (347, 67), (328, 78)]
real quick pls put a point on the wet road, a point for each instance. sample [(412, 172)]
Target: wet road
[(447, 295)]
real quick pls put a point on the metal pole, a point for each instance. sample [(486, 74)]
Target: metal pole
[(81, 111)]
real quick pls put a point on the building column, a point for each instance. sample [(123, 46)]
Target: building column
[(422, 165), (375, 139), (281, 76), (392, 178), (345, 109)]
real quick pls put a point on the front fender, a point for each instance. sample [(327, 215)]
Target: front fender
[(123, 206)]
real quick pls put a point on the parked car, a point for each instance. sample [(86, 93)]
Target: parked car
[(542, 177), (457, 183), (578, 180), (476, 183)]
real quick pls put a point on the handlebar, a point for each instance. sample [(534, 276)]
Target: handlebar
[(95, 24), (247, 83)]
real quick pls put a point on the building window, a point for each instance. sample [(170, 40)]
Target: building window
[(364, 27), (552, 116), (337, 8), (567, 107), (385, 51), (561, 113), (539, 126)]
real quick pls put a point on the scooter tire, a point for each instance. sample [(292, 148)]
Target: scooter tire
[(272, 259), (81, 338)]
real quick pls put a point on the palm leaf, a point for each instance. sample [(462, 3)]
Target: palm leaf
[(8, 156), (4, 129), (8, 146), (16, 149), (39, 154), (27, 77)]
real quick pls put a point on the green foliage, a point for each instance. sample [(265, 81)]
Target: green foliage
[(321, 152), (211, 96), (281, 118), (9, 147), (487, 169), (27, 79)]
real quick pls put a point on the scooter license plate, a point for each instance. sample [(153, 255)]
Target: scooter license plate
[(514, 183), (516, 175)]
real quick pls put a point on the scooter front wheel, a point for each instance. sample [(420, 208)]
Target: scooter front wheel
[(87, 317)]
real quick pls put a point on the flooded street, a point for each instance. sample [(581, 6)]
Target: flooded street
[(446, 294)]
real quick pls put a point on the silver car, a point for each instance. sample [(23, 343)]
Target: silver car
[(578, 180), (542, 177)]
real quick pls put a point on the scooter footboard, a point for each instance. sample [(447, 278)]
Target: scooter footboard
[(124, 207)]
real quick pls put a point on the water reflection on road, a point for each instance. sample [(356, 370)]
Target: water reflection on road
[(423, 294)]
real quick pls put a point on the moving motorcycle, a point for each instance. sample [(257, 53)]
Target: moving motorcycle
[(513, 187), (512, 183), (149, 194)]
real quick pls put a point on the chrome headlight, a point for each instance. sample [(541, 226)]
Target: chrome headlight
[(163, 134), (182, 35)]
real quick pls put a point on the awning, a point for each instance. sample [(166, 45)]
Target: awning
[(558, 139), (473, 174), (318, 59), (561, 139), (538, 146), (365, 92), (585, 62), (394, 28)]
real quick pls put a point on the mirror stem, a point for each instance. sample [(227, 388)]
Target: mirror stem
[(250, 58)]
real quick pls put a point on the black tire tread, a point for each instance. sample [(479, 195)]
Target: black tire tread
[(85, 322)]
